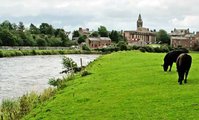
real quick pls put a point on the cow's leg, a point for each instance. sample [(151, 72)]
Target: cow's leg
[(186, 74), (180, 81), (180, 77), (170, 66)]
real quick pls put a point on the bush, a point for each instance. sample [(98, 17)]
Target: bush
[(16, 109), (9, 109), (122, 45), (18, 53), (142, 49), (47, 94), (53, 82), (132, 47), (27, 102), (62, 52), (148, 49), (85, 73), (85, 47), (164, 49), (135, 47), (108, 49), (157, 50), (26, 52), (1, 54), (41, 42), (68, 63), (182, 49), (34, 52)]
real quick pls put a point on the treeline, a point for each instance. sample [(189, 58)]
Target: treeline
[(12, 34)]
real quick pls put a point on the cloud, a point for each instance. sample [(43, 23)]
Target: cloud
[(187, 21), (157, 14)]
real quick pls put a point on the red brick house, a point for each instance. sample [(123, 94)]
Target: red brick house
[(182, 38), (98, 42), (185, 42)]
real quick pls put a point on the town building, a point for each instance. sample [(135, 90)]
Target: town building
[(83, 32), (182, 38), (142, 36), (98, 42)]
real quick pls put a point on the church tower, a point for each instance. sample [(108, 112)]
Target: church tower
[(139, 22)]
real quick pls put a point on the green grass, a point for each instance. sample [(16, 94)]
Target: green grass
[(125, 86)]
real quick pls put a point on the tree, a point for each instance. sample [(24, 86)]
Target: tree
[(69, 64), (94, 34), (6, 25), (76, 33), (8, 39), (58, 32), (116, 36), (29, 41), (33, 29), (47, 29), (81, 39), (62, 34), (55, 41), (45, 35), (21, 26), (103, 31), (41, 42), (122, 45), (14, 26), (85, 47), (1, 43), (163, 37)]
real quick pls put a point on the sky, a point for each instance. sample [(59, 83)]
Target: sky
[(114, 14)]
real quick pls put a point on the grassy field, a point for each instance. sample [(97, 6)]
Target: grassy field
[(126, 86)]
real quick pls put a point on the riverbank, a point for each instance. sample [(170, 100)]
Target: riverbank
[(12, 53), (125, 85), (22, 75)]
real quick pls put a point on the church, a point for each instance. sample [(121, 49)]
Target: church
[(142, 36)]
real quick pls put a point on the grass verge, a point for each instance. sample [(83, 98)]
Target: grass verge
[(122, 86)]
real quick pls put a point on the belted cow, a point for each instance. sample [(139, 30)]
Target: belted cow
[(170, 58), (183, 65)]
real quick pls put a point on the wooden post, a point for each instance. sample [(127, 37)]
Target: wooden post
[(81, 62)]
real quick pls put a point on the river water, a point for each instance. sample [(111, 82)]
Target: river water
[(19, 75)]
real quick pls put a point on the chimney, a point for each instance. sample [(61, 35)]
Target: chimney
[(80, 29)]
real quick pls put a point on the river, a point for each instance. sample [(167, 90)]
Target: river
[(20, 75)]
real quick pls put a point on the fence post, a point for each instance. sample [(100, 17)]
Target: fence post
[(81, 62)]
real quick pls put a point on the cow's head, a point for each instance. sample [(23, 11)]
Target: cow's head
[(165, 67)]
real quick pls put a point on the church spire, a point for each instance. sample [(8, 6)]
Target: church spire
[(139, 21)]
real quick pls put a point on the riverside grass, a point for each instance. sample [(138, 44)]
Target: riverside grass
[(124, 86), (12, 53)]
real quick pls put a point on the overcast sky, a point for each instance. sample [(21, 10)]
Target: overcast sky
[(114, 14)]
